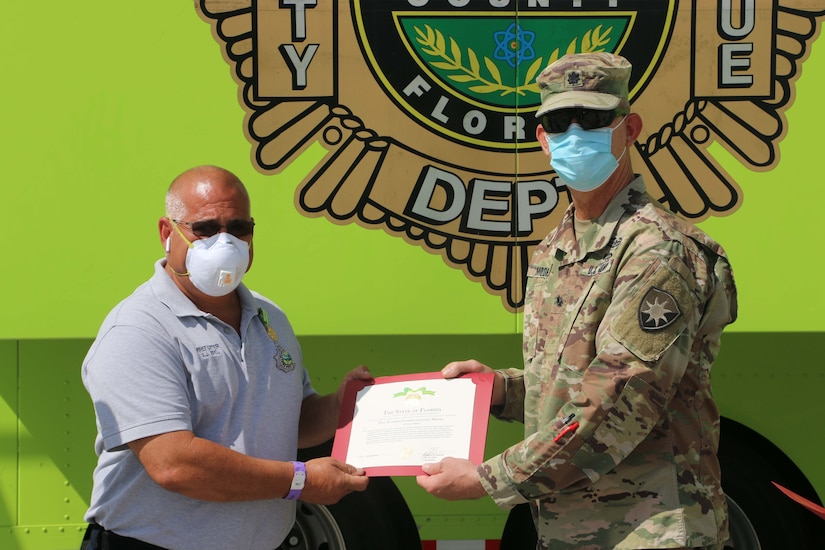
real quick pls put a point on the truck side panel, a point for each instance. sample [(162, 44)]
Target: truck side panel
[(45, 491)]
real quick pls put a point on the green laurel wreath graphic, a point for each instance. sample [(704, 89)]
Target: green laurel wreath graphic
[(435, 44), (422, 390)]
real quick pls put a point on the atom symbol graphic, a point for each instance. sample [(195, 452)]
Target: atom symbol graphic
[(514, 45)]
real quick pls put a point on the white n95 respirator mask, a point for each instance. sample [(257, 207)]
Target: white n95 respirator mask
[(216, 264)]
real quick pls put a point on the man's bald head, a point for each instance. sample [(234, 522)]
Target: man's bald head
[(199, 183)]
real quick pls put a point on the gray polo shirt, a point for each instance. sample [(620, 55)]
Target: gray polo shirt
[(158, 365)]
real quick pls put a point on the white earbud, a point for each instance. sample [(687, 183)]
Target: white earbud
[(168, 242)]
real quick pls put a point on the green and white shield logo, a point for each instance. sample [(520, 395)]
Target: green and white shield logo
[(463, 68)]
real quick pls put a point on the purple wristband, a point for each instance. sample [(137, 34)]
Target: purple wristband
[(299, 478)]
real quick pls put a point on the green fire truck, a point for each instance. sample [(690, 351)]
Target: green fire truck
[(398, 192)]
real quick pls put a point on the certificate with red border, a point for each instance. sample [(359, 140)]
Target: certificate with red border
[(392, 425)]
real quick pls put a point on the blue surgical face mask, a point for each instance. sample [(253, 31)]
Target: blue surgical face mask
[(583, 159)]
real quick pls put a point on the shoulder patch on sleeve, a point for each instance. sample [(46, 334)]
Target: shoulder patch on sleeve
[(658, 310), (655, 315)]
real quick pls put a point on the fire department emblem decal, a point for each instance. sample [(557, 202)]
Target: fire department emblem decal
[(426, 108)]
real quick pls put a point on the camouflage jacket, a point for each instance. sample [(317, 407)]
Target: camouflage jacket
[(621, 325)]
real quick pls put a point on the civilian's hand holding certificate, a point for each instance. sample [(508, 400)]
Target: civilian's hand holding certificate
[(394, 424)]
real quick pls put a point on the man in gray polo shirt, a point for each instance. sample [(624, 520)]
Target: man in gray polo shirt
[(201, 396)]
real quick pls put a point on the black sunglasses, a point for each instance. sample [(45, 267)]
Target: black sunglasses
[(556, 122), (207, 228)]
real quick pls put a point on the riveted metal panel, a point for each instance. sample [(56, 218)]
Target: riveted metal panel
[(57, 427), (8, 433)]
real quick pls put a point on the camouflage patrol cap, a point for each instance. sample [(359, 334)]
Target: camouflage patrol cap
[(593, 80)]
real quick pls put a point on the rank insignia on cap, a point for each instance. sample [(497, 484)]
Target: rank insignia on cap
[(657, 310), (574, 78)]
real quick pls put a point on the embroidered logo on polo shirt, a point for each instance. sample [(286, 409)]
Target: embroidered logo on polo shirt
[(283, 360), (211, 350), (658, 310)]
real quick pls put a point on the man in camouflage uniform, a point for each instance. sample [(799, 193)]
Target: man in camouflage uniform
[(624, 309)]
